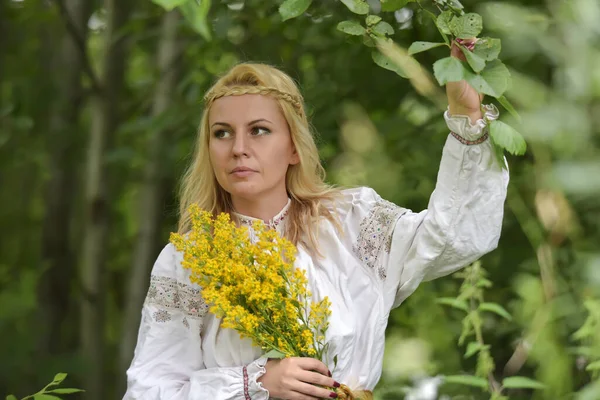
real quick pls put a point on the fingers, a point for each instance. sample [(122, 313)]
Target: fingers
[(312, 364), (455, 51), (317, 379), (307, 389)]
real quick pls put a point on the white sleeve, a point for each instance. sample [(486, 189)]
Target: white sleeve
[(462, 222), (168, 363)]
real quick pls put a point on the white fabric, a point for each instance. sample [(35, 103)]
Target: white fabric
[(380, 258)]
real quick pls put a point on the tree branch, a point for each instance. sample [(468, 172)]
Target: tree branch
[(80, 43)]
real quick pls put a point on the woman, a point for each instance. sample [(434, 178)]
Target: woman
[(256, 159)]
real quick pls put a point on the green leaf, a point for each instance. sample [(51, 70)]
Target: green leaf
[(476, 62), (488, 48), (453, 302), (393, 5), (274, 354), (335, 360), (385, 62), (499, 153), (11, 397), (197, 15), (418, 47), (351, 28), (495, 308), (493, 80), (169, 4), (293, 8), (593, 366), (448, 69), (507, 138), (372, 19), (466, 26), (357, 6), (474, 347), (45, 397), (443, 22), (508, 105), (383, 28), (521, 382), (65, 391), (468, 380), (484, 283), (58, 378)]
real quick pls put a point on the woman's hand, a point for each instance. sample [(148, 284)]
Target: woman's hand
[(295, 378), (462, 98)]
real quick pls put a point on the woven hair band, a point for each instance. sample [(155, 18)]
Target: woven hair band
[(262, 90)]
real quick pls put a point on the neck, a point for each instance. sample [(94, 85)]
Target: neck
[(264, 208)]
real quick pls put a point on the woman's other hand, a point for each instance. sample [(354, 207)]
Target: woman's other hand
[(462, 98), (296, 378)]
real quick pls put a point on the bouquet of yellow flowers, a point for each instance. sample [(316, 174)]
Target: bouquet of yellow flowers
[(252, 285)]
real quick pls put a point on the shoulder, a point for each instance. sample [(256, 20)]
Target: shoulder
[(360, 202), (168, 267)]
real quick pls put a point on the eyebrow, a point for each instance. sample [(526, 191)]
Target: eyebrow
[(249, 123)]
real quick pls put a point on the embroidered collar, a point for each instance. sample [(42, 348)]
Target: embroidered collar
[(272, 223)]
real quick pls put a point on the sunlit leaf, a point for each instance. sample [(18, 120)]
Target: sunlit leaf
[(418, 47), (466, 26), (197, 16), (521, 382), (508, 105), (45, 397), (448, 69), (453, 302), (476, 62), (468, 380), (351, 28), (487, 48), (507, 138), (443, 21), (11, 397), (493, 80), (383, 28), (473, 348), (58, 378), (274, 354), (495, 308), (169, 4), (293, 8), (65, 391), (372, 19), (386, 63), (357, 6), (594, 366)]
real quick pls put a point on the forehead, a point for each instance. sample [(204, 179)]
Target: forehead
[(247, 107)]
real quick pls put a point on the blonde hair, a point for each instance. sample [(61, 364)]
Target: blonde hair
[(305, 181)]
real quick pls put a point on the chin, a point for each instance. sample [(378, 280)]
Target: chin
[(244, 190)]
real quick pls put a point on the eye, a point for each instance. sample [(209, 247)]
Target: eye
[(221, 134), (260, 131)]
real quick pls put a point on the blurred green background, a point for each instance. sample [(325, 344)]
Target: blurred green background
[(99, 104)]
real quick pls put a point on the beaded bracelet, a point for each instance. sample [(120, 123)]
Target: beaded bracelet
[(480, 140)]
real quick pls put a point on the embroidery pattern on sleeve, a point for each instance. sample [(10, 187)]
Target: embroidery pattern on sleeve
[(375, 234), (171, 295)]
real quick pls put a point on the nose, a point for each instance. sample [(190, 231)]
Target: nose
[(240, 146)]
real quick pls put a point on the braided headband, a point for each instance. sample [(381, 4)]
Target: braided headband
[(295, 101)]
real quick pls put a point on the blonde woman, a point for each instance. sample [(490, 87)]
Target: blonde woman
[(255, 158)]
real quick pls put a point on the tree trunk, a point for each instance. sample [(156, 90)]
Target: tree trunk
[(57, 254), (97, 205), (151, 193)]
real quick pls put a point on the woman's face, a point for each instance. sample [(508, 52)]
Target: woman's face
[(250, 147)]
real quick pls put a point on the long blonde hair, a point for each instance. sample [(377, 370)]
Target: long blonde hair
[(305, 181)]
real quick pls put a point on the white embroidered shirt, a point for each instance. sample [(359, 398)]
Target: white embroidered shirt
[(380, 258)]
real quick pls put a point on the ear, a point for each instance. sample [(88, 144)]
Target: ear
[(295, 159)]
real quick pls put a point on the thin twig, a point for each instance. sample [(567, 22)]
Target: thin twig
[(80, 43)]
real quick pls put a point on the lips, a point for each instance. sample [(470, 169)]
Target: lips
[(242, 169)]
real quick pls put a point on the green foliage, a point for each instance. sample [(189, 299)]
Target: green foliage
[(293, 8), (48, 394)]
